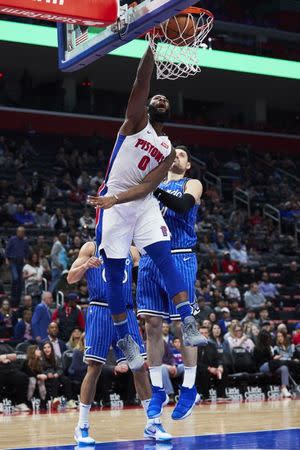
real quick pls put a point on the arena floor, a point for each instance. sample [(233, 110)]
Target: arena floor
[(254, 425)]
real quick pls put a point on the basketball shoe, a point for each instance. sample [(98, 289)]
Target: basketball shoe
[(190, 333), (186, 402), (81, 436), (156, 432), (158, 401), (131, 352)]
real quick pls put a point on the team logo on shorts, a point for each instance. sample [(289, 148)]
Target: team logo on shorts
[(164, 230)]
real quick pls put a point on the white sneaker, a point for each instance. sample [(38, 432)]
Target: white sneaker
[(156, 432), (71, 404), (285, 393), (22, 407), (81, 436)]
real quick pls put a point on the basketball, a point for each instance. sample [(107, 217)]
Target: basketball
[(181, 29)]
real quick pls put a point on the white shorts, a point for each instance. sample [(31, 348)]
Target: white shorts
[(140, 222)]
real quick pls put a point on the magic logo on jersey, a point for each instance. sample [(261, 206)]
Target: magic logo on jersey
[(181, 225), (153, 151)]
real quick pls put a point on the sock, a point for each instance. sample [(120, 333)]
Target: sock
[(121, 328), (145, 404), (184, 309), (189, 376), (156, 376), (84, 411)]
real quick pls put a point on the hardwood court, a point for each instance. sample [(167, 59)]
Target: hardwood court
[(37, 430)]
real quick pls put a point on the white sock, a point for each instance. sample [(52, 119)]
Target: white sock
[(84, 411), (145, 404), (156, 376), (189, 376)]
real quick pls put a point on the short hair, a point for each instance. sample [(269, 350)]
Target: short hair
[(186, 150)]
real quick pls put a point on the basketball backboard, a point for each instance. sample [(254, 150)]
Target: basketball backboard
[(79, 46)]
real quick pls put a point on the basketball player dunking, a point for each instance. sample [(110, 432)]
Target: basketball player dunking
[(179, 197), (140, 159), (100, 334)]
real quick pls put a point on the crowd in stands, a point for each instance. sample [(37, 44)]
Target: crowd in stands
[(247, 290)]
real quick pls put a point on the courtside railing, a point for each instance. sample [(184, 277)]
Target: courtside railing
[(274, 214), (241, 196)]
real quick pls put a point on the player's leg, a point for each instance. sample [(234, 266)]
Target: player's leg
[(187, 266), (98, 337), (160, 253), (188, 393), (114, 242), (152, 302), (87, 395), (151, 234), (154, 429)]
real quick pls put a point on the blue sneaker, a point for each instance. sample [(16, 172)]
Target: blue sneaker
[(186, 402), (158, 401), (156, 432), (81, 436)]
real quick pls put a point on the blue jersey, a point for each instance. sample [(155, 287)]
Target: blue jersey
[(96, 282), (181, 225)]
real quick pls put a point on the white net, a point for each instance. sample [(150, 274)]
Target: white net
[(176, 53)]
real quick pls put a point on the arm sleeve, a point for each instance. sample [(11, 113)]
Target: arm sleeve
[(177, 204)]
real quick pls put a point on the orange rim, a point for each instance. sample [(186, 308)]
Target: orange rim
[(190, 10), (196, 10)]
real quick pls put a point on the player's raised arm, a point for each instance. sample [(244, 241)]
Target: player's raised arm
[(148, 184), (136, 116), (85, 261)]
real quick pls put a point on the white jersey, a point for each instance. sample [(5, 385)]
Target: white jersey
[(133, 157)]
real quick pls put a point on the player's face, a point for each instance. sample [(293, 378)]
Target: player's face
[(159, 109), (181, 163)]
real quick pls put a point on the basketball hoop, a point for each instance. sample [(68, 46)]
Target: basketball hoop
[(175, 43)]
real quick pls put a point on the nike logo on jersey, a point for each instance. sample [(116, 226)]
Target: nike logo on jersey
[(186, 259)]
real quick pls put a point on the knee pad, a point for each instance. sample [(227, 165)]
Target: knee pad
[(114, 272)]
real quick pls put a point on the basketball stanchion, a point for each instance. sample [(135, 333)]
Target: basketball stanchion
[(175, 43)]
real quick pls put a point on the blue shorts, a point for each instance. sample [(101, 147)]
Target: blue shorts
[(152, 297), (100, 334)]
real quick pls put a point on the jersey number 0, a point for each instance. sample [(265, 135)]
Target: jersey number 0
[(144, 162)]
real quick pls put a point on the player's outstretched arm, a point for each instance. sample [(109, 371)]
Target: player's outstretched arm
[(136, 116), (192, 195), (148, 184), (85, 261)]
